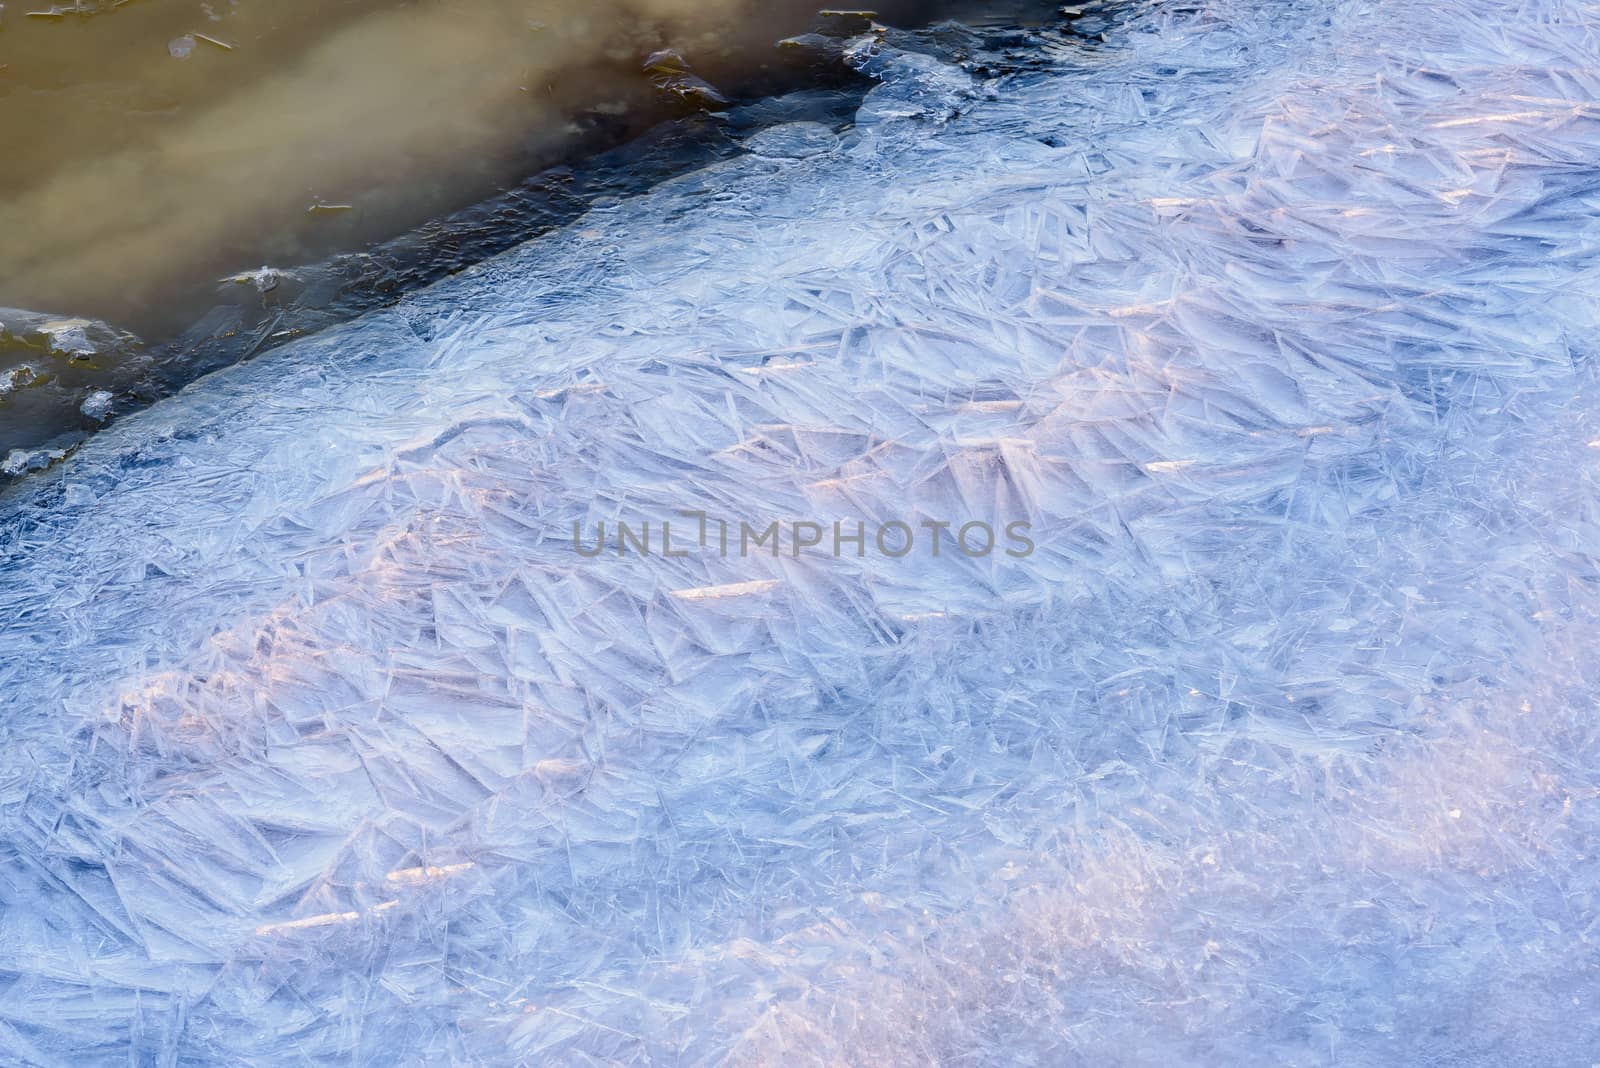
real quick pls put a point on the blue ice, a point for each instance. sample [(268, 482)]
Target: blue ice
[(1276, 322)]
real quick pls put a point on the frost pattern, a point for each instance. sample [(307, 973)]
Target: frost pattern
[(1276, 319)]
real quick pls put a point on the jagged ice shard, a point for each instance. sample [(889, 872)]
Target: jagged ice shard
[(1276, 320)]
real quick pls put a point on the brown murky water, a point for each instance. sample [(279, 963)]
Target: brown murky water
[(150, 148), (159, 138)]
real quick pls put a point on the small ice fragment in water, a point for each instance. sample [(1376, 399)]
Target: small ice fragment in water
[(15, 378), (265, 280), (181, 47), (98, 404), (21, 461), (69, 338), (672, 74), (77, 339)]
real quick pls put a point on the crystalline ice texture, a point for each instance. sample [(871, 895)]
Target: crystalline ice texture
[(98, 404), (322, 743)]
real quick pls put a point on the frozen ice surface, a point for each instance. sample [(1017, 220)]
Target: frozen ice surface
[(793, 140), (322, 744)]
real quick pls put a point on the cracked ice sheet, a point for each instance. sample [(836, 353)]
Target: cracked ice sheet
[(321, 743)]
